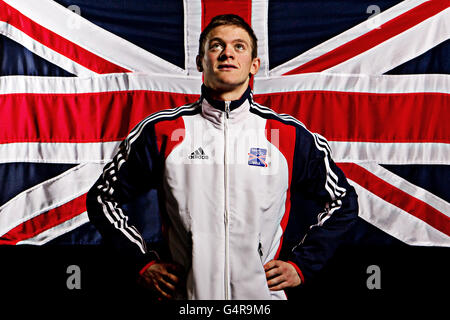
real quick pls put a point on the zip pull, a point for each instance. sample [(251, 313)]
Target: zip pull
[(260, 249), (227, 109)]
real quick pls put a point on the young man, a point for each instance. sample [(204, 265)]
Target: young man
[(229, 174)]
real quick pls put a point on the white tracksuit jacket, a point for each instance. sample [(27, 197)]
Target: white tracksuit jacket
[(231, 176)]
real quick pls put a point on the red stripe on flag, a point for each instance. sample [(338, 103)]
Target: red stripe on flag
[(212, 8), (45, 221), (373, 38), (57, 43), (397, 197), (338, 116), (367, 117), (90, 117)]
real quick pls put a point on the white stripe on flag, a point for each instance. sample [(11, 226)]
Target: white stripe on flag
[(260, 24), (101, 83), (41, 152), (391, 153), (411, 189), (91, 37), (57, 231), (397, 222), (437, 83), (346, 36), (400, 48), (43, 51), (48, 195), (417, 83), (192, 30)]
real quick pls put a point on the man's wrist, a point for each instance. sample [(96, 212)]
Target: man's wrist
[(141, 272), (299, 272)]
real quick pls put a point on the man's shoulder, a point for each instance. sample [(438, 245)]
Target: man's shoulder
[(172, 113), (164, 116)]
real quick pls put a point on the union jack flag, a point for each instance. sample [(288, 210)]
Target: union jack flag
[(77, 76)]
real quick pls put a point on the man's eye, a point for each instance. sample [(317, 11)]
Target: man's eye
[(216, 46), (240, 46)]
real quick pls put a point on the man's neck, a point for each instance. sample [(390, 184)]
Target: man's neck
[(221, 104), (227, 95)]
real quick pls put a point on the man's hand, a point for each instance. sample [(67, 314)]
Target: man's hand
[(163, 278), (281, 275)]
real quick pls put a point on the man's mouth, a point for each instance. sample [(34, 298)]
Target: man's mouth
[(226, 67)]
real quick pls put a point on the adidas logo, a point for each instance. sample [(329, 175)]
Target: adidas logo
[(198, 154)]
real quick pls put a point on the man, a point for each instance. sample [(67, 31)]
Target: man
[(229, 174)]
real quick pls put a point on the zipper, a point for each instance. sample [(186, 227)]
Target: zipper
[(260, 251), (227, 258)]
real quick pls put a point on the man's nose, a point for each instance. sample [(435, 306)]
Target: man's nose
[(226, 53)]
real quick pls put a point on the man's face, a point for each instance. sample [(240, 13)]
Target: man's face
[(228, 60)]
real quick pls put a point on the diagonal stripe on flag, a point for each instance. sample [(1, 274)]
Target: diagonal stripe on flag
[(57, 43), (45, 221), (397, 197), (48, 195), (372, 38)]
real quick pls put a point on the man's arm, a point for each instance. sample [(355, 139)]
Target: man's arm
[(134, 170), (128, 175), (319, 178), (315, 178)]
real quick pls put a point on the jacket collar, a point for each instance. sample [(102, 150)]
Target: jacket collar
[(220, 105), (214, 110)]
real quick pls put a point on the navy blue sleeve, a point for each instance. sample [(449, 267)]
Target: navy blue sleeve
[(132, 172), (316, 177)]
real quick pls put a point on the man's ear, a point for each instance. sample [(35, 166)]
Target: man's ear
[(198, 60), (256, 63)]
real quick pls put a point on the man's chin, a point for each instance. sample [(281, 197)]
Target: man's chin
[(229, 85)]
